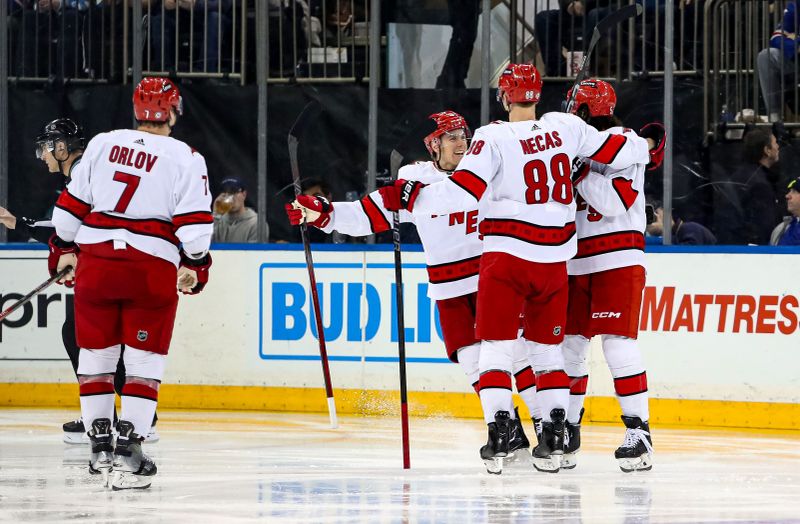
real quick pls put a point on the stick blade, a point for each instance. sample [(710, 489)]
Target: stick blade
[(307, 115), (395, 162), (617, 17)]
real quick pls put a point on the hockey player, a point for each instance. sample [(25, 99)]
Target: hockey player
[(606, 280), (60, 147), (520, 173), (452, 248), (138, 208)]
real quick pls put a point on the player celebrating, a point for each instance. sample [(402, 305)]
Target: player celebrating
[(606, 279), (138, 208), (520, 172), (452, 250)]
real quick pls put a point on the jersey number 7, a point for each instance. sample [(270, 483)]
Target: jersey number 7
[(131, 184), (537, 175)]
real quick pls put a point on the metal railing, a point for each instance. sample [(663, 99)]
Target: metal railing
[(748, 81), (558, 38)]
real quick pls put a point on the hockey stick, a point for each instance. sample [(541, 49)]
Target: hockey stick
[(308, 114), (27, 298), (614, 19), (395, 161)]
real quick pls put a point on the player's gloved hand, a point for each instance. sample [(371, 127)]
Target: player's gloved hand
[(193, 274), (655, 132), (401, 195), (315, 209), (580, 169), (62, 254)]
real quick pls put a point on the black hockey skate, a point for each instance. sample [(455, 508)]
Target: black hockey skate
[(132, 468), (497, 447), (75, 432), (572, 443), (547, 455), (636, 452), (102, 444), (518, 443)]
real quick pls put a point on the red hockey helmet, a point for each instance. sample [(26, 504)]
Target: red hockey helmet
[(154, 97), (446, 122), (597, 95), (520, 83)]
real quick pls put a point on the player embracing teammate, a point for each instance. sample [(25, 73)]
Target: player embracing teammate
[(134, 219), (606, 279), (519, 173), (452, 247)]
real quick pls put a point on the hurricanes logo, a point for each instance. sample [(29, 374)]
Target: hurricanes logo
[(557, 330), (141, 336)]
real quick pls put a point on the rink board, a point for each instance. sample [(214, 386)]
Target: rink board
[(719, 336)]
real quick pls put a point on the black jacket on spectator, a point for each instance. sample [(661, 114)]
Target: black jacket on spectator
[(762, 204)]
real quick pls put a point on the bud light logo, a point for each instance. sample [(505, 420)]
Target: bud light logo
[(358, 314)]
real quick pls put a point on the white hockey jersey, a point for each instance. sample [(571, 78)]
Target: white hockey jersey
[(149, 191), (450, 241), (529, 211), (610, 217)]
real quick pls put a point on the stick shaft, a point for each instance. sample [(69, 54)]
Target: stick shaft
[(27, 298)]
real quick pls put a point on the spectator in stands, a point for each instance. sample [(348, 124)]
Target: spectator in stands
[(206, 20), (760, 199), (776, 63), (234, 222), (787, 233), (464, 20), (683, 233)]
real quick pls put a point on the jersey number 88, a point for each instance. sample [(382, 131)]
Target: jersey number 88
[(536, 178)]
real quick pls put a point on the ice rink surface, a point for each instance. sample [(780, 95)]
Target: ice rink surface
[(282, 467)]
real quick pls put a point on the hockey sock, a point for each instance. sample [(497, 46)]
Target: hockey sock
[(96, 383), (630, 378), (524, 379), (552, 384), (468, 357), (576, 349), (495, 364), (140, 394)]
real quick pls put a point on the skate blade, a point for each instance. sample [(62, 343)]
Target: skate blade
[(494, 465), (551, 464), (75, 438), (641, 463), (569, 460), (125, 480)]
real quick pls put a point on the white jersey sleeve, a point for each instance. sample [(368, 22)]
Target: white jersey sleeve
[(75, 202), (468, 183), (617, 151), (611, 195), (194, 224)]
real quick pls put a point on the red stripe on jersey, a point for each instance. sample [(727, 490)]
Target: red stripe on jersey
[(377, 220), (476, 386), (609, 150), (632, 385), (552, 380), (609, 243), (530, 233), (495, 379), (577, 385), (73, 205), (88, 389), (469, 182), (140, 390), (142, 226), (625, 191), (452, 271), (195, 217), (524, 379)]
